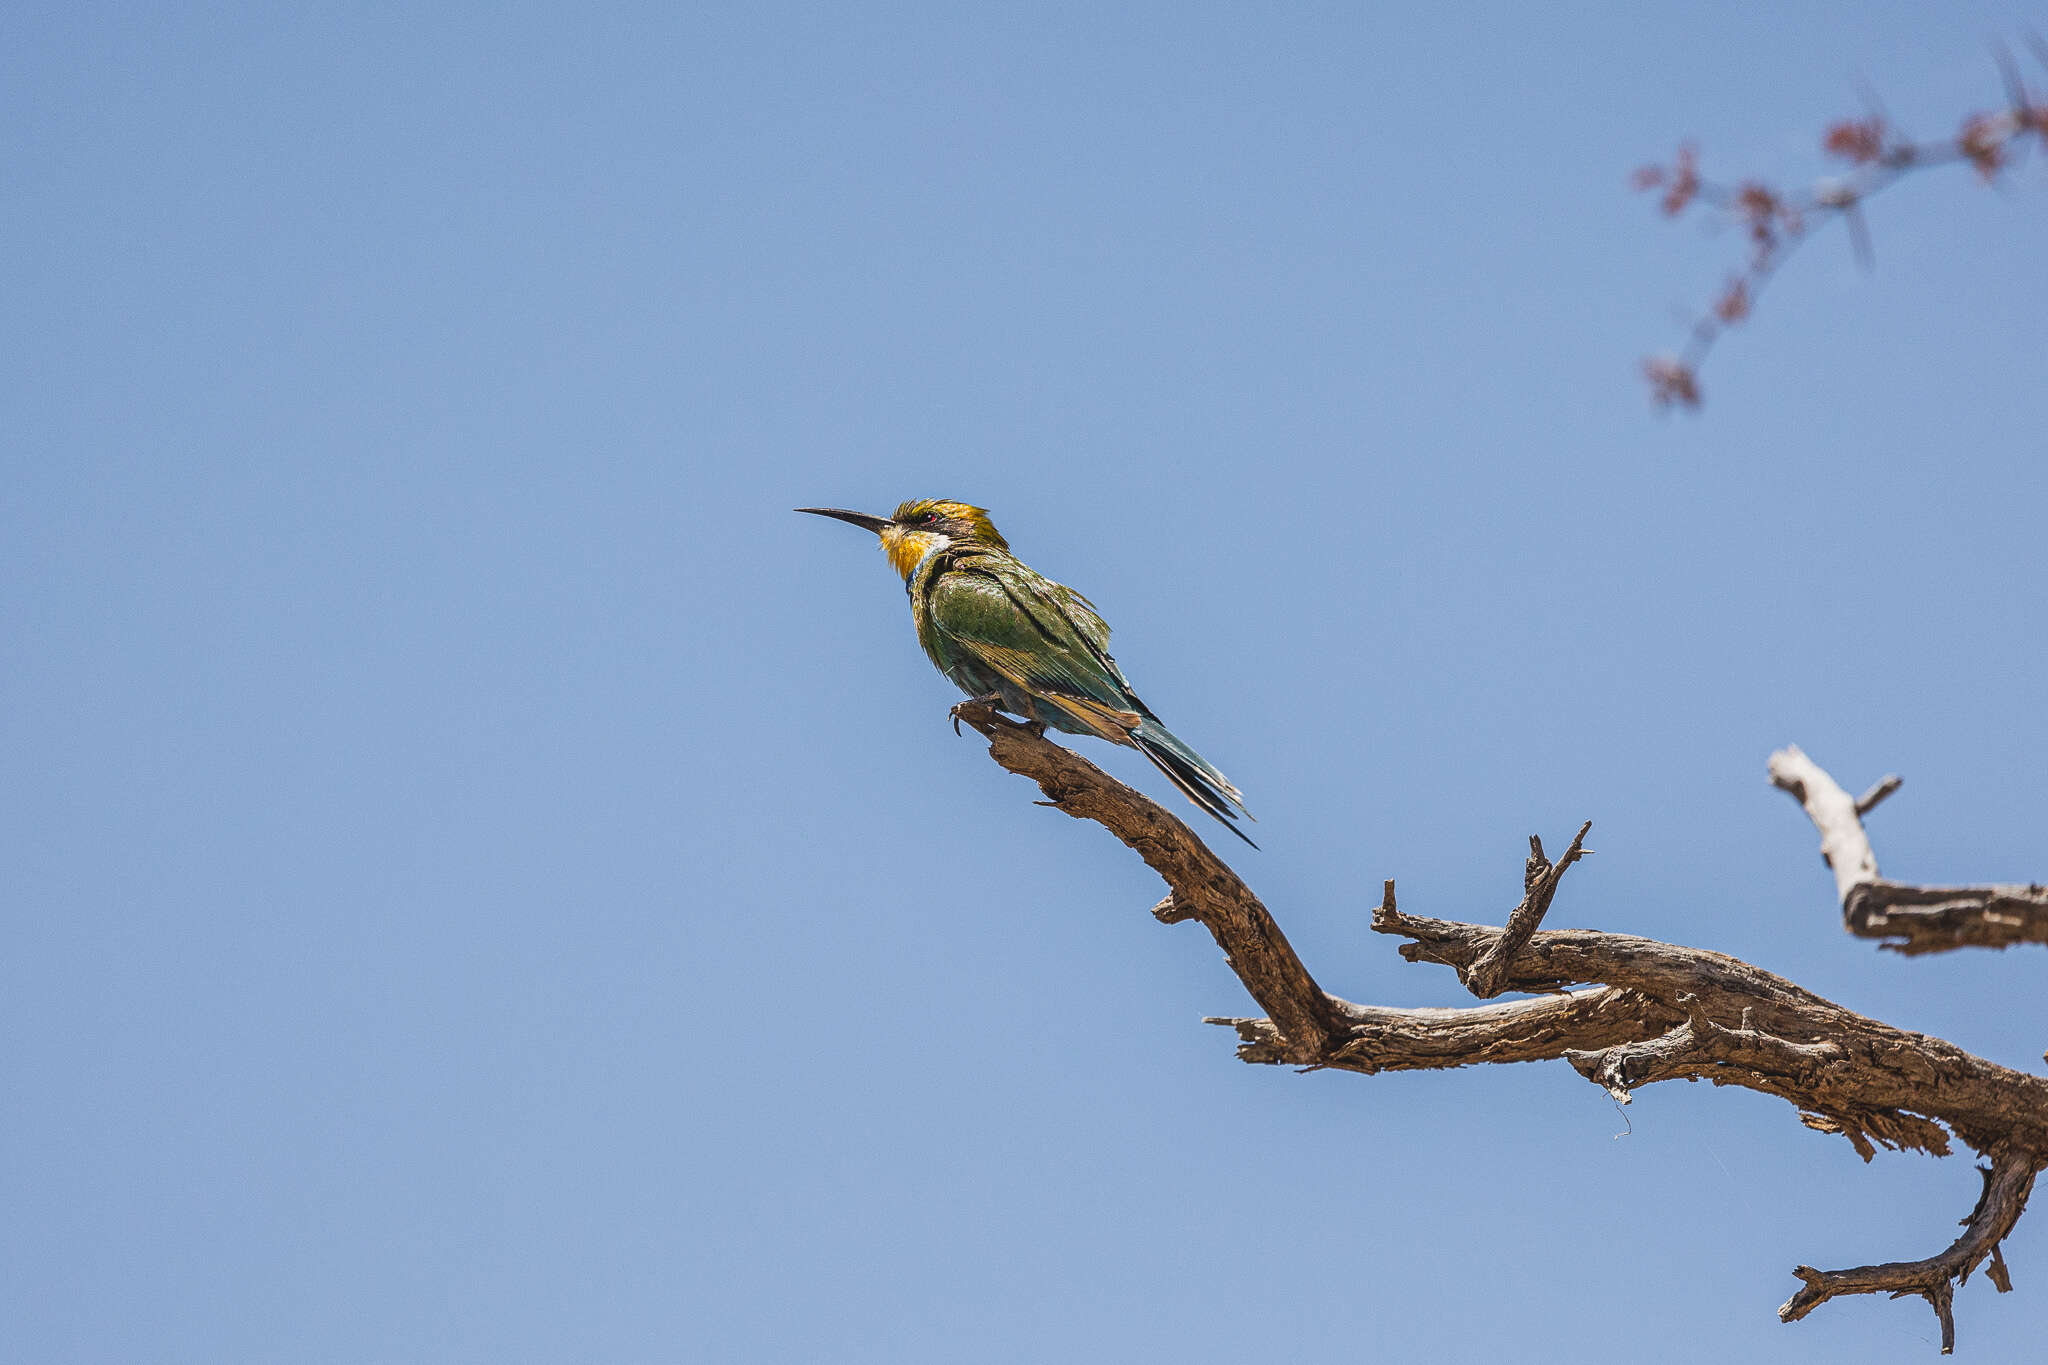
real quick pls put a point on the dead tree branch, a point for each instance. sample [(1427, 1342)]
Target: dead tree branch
[(1624, 1011), (1202, 886), (1486, 977), (2007, 1182), (1908, 919)]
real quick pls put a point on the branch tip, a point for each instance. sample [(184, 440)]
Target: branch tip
[(1488, 976), (1886, 785), (2007, 1182)]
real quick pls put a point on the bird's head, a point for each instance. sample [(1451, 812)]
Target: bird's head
[(921, 526)]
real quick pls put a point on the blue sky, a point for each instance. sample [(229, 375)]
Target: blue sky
[(486, 883)]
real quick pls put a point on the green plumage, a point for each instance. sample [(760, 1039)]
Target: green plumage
[(1005, 632)]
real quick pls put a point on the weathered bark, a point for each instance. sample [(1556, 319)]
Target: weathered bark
[(1909, 919), (1624, 1011), (1202, 886), (2007, 1182)]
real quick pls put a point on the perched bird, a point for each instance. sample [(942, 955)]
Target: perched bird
[(1009, 636)]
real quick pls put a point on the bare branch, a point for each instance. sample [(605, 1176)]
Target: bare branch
[(2007, 1182), (1203, 887), (1909, 919), (1843, 844), (1624, 1011), (1485, 977), (1380, 1038), (1888, 1075), (1934, 919), (1886, 785)]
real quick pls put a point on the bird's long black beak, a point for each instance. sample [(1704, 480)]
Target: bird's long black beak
[(860, 519)]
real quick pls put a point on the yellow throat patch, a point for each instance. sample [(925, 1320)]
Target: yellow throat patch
[(927, 524)]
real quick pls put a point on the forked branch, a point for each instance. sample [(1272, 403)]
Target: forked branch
[(1624, 1011), (1907, 919), (2007, 1182)]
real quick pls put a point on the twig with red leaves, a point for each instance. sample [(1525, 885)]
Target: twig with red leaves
[(1778, 222)]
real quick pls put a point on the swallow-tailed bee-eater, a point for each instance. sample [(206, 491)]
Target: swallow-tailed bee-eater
[(1009, 636)]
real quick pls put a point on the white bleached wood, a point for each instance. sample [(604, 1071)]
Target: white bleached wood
[(1833, 811)]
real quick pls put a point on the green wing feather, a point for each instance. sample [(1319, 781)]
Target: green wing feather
[(1046, 638), (1049, 640)]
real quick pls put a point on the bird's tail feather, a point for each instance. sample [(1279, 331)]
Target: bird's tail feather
[(1193, 774)]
